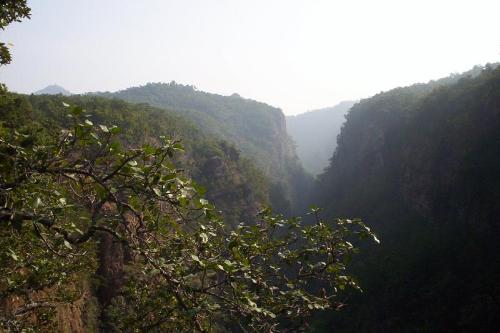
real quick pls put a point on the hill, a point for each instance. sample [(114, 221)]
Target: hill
[(53, 90), (234, 184), (256, 129), (315, 134), (421, 165)]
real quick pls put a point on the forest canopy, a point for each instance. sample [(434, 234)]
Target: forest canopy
[(63, 187), (82, 198)]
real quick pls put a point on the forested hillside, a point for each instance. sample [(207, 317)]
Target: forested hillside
[(105, 232), (421, 164), (315, 134), (162, 208), (256, 129), (235, 184)]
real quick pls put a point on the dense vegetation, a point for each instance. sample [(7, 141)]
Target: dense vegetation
[(123, 217), (315, 135), (11, 11), (81, 196), (102, 228), (236, 186), (421, 165), (256, 129)]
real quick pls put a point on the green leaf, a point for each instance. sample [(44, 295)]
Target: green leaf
[(115, 130), (148, 150), (94, 136), (76, 110), (101, 192), (197, 259), (13, 255), (178, 146), (204, 237)]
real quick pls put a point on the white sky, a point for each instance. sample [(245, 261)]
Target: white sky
[(296, 55)]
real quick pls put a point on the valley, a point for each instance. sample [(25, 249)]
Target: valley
[(161, 207)]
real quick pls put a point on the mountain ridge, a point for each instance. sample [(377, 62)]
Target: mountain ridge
[(257, 129)]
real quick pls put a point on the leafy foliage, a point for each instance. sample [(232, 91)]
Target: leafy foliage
[(234, 184), (11, 11), (61, 188)]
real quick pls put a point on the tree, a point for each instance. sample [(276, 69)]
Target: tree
[(11, 11), (59, 189)]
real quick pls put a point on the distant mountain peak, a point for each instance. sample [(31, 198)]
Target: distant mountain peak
[(53, 89)]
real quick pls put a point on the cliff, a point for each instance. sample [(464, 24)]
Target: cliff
[(421, 165)]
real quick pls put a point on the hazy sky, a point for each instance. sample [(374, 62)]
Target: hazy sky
[(296, 55)]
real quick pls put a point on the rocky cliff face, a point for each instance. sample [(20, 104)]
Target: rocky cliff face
[(421, 165), (79, 316), (417, 145)]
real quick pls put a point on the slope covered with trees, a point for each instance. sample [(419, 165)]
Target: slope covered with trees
[(315, 134), (256, 129), (236, 185), (83, 199), (103, 228), (421, 164)]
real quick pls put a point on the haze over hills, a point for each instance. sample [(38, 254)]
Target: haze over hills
[(53, 89), (315, 134), (257, 129), (421, 165), (233, 183), (163, 208)]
